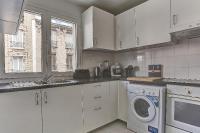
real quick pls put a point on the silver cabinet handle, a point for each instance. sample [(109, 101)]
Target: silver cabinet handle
[(138, 41), (36, 98), (97, 86), (95, 41), (97, 109), (97, 97), (120, 44), (175, 19), (45, 98)]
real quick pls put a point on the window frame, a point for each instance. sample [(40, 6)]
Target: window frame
[(46, 16), (67, 73)]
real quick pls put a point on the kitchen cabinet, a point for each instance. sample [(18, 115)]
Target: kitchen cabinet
[(11, 12), (113, 101), (98, 29), (20, 112), (95, 105), (153, 22), (62, 110), (125, 30), (122, 101), (185, 14)]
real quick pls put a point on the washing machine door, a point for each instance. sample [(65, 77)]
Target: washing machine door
[(143, 108)]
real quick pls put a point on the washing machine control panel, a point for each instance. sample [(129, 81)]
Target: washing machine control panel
[(152, 129), (149, 92)]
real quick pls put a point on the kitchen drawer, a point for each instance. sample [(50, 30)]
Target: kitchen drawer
[(95, 93), (95, 117)]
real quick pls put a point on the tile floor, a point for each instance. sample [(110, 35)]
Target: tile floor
[(115, 127)]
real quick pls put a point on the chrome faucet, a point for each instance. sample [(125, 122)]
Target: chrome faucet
[(46, 79)]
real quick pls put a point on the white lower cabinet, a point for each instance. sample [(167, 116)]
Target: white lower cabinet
[(122, 101), (20, 112), (113, 100), (71, 109), (62, 110), (95, 109)]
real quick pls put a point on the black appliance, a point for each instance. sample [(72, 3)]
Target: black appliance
[(81, 74)]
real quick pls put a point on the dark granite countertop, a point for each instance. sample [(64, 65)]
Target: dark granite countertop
[(164, 82), (5, 89)]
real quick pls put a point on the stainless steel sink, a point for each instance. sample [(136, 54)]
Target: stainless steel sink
[(5, 86), (63, 82)]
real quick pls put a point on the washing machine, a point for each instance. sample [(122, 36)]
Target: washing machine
[(146, 111)]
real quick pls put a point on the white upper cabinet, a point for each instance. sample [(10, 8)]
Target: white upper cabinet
[(125, 30), (11, 11), (153, 22), (185, 14), (98, 29)]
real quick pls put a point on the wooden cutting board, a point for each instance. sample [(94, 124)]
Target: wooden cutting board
[(144, 79)]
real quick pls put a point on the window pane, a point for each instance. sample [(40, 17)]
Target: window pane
[(23, 50), (63, 45)]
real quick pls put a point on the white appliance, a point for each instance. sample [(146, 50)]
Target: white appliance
[(146, 113), (183, 108)]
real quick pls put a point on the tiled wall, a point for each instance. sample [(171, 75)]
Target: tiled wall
[(181, 61), (91, 59)]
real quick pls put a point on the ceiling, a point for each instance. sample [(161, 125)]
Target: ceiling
[(112, 6)]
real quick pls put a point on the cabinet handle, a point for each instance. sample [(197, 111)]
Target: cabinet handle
[(45, 98), (138, 41), (120, 45), (36, 98), (95, 41), (175, 19), (97, 85), (97, 109), (97, 97)]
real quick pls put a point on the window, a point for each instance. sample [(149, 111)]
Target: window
[(53, 61), (17, 64), (17, 40), (23, 50), (63, 57), (69, 62), (54, 39), (68, 41)]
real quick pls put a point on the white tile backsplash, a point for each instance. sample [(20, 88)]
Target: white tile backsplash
[(179, 61)]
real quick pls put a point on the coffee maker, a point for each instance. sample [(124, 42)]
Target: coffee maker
[(116, 71)]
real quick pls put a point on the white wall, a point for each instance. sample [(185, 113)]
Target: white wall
[(180, 61)]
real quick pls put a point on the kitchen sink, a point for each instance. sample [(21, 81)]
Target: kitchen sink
[(4, 85), (62, 82)]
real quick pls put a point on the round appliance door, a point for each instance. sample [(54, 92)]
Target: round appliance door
[(143, 108)]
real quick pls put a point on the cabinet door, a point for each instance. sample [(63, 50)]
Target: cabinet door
[(113, 100), (122, 101), (62, 110), (125, 30), (185, 14), (103, 29), (153, 22), (20, 112), (87, 21)]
